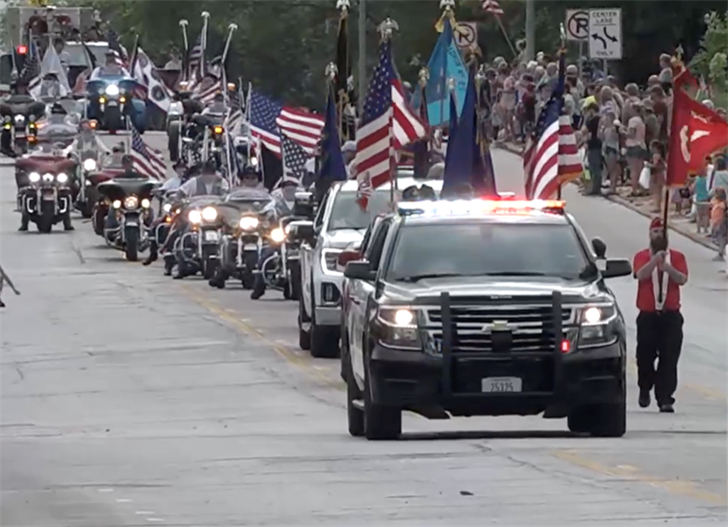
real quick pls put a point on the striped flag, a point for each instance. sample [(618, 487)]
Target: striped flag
[(551, 158), (492, 7), (195, 59), (294, 159), (388, 124), (120, 54), (269, 119), (30, 73), (147, 161), (234, 118)]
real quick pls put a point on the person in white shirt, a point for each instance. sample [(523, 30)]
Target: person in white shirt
[(110, 69), (348, 152), (63, 55), (209, 183)]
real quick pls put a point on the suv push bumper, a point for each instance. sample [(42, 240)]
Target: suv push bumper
[(552, 383)]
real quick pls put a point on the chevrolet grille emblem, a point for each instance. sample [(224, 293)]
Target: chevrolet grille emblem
[(497, 325)]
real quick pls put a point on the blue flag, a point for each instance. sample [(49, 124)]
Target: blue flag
[(445, 63), (464, 162), (332, 162)]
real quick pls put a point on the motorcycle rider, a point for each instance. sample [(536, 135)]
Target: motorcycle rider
[(51, 87), (209, 183), (88, 142), (217, 107), (127, 163), (9, 105), (171, 184), (111, 68), (281, 206)]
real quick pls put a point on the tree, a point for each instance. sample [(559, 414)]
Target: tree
[(711, 62)]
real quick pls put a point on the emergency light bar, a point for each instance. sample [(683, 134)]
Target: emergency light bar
[(478, 207)]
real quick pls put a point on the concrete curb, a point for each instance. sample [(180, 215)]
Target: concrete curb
[(626, 203)]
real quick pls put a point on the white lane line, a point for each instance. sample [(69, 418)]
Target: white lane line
[(105, 490), (144, 513), (123, 500), (155, 520)]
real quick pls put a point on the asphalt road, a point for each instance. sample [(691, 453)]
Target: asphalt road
[(130, 399)]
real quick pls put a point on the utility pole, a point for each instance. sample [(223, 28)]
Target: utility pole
[(530, 29), (362, 55)]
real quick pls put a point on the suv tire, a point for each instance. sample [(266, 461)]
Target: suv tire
[(380, 422), (611, 420)]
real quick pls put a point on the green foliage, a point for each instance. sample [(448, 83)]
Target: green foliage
[(282, 47), (710, 62)]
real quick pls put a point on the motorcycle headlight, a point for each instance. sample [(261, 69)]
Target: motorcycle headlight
[(62, 178), (167, 207), (195, 216), (112, 90), (131, 202), (277, 235), (248, 223), (218, 130), (209, 214), (19, 119), (7, 119), (253, 161), (34, 177), (89, 165), (116, 204), (146, 203), (48, 177)]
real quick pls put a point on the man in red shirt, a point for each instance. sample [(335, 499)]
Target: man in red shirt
[(660, 273)]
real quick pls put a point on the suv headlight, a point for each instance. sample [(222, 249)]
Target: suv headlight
[(597, 326), (89, 165), (330, 260), (112, 90), (398, 327), (209, 214)]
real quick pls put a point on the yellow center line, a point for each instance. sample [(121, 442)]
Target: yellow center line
[(685, 488), (306, 365)]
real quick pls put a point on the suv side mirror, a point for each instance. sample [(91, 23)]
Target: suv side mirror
[(301, 230), (616, 268), (349, 255), (359, 270), (600, 248)]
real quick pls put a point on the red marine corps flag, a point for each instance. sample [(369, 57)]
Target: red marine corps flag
[(695, 133)]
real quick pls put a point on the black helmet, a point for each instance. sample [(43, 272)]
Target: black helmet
[(126, 159), (289, 182), (249, 172), (209, 168)]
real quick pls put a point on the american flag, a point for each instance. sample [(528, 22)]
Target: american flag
[(206, 92), (147, 161), (121, 56), (551, 157), (492, 7), (388, 124), (195, 59), (30, 73), (269, 119), (294, 159), (235, 111)]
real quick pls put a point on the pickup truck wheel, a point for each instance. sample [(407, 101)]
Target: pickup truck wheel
[(304, 337), (610, 420), (324, 341), (355, 416), (380, 422)]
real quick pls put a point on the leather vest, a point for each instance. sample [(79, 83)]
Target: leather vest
[(202, 188)]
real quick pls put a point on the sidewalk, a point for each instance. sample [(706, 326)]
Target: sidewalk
[(678, 223)]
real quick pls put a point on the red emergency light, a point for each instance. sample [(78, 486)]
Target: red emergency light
[(22, 50)]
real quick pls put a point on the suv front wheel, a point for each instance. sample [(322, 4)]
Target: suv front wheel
[(380, 422)]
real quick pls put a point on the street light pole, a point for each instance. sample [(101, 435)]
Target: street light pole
[(362, 55), (530, 29)]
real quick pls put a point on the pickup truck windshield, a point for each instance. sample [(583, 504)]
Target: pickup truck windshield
[(347, 214), (487, 249)]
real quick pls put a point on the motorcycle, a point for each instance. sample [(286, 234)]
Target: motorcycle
[(282, 269), (241, 239), (197, 246), (92, 171), (131, 201), (111, 102), (45, 194), (179, 117), (23, 131), (169, 208)]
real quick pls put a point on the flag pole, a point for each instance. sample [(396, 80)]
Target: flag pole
[(203, 44), (331, 72), (562, 51), (447, 15), (185, 57), (246, 118), (386, 29)]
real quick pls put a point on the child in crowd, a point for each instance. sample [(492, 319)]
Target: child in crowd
[(719, 222)]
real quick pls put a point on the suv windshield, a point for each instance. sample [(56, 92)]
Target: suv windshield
[(347, 214), (487, 249)]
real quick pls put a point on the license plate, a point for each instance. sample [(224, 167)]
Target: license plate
[(211, 236), (502, 385), (113, 103), (20, 135), (49, 197), (131, 223), (250, 247)]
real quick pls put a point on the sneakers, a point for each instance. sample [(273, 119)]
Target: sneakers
[(644, 400)]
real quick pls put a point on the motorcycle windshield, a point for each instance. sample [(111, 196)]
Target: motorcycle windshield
[(119, 188)]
